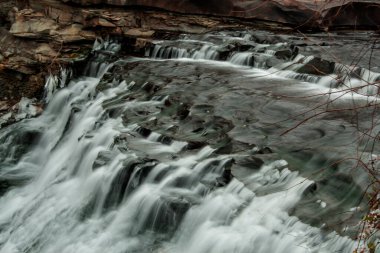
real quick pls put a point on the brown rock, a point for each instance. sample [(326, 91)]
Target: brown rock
[(142, 43), (30, 24), (44, 53), (100, 22), (72, 33), (21, 64), (142, 33), (4, 106)]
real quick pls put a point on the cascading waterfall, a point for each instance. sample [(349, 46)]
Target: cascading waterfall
[(54, 82), (262, 56), (88, 183)]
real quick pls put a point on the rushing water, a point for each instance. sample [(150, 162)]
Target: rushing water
[(85, 176)]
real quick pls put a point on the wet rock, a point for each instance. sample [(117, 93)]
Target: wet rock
[(150, 87), (317, 66), (311, 189), (265, 150), (226, 175), (127, 180), (145, 132), (183, 112), (287, 54), (167, 213), (165, 140), (284, 54), (250, 162), (225, 146), (195, 145)]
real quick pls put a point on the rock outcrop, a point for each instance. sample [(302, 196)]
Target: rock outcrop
[(301, 13), (353, 15)]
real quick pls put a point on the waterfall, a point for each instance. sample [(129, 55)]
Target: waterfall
[(269, 57), (95, 181)]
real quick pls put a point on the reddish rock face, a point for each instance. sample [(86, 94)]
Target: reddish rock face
[(356, 14), (250, 9), (294, 12)]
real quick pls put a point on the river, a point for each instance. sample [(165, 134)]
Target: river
[(220, 143)]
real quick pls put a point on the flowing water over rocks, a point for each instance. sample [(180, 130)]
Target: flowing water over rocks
[(184, 151)]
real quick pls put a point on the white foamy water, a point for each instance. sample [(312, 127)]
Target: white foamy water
[(354, 81)]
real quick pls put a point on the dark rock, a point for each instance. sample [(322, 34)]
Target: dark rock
[(265, 150), (355, 14), (311, 189), (150, 87), (183, 112), (195, 145), (224, 147), (227, 175), (165, 140), (128, 179), (250, 162), (317, 66), (284, 54), (145, 132)]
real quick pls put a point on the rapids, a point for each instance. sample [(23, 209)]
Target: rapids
[(132, 156)]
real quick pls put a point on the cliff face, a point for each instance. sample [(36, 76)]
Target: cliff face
[(312, 13), (41, 36), (252, 9)]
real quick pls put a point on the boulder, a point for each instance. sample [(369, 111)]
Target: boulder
[(317, 66)]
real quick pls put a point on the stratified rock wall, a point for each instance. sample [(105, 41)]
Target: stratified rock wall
[(247, 9), (357, 14), (311, 13)]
